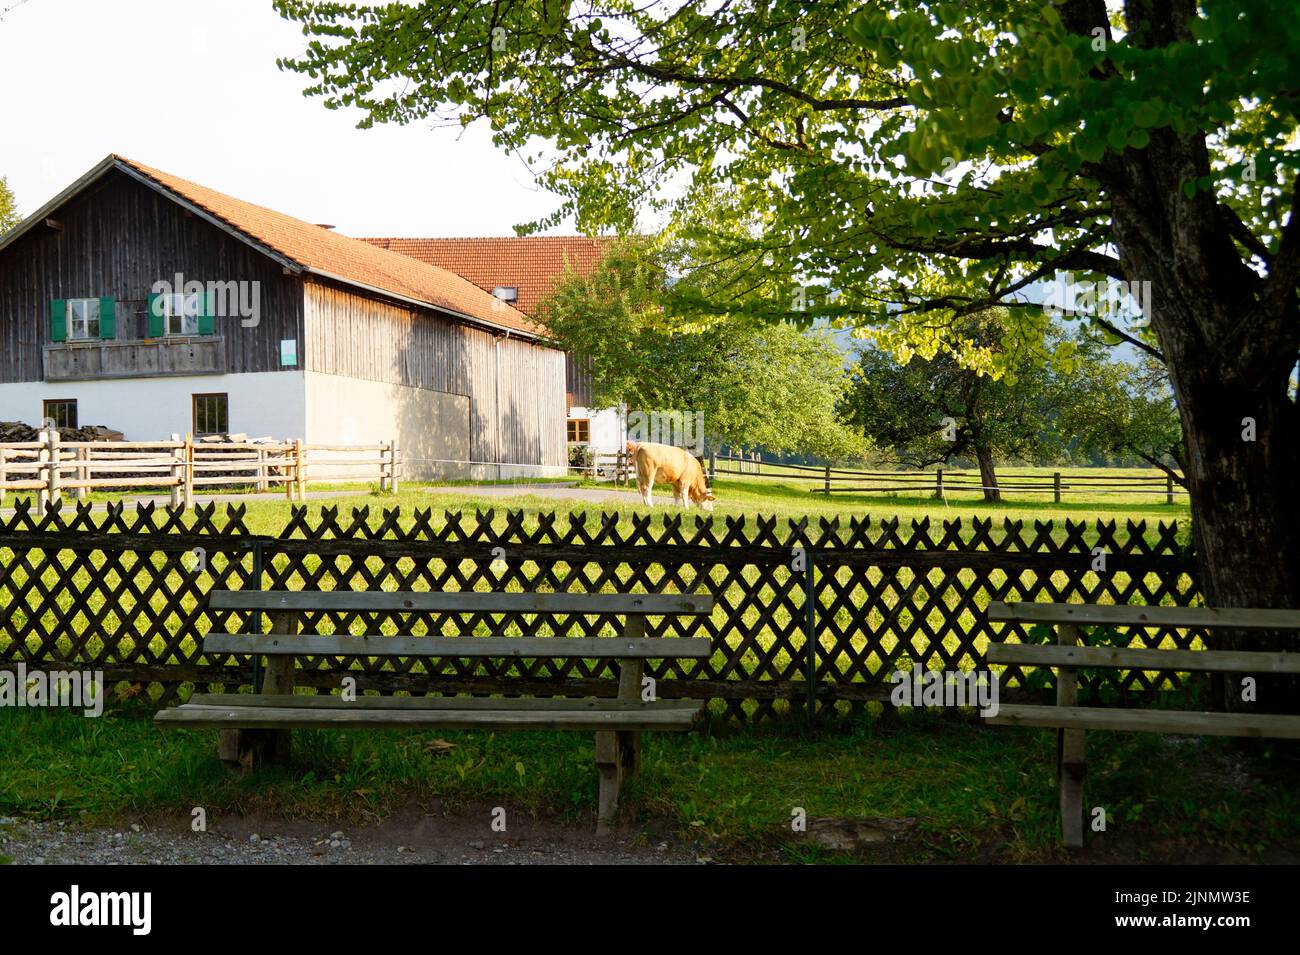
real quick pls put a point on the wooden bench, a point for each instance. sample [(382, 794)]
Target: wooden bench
[(1066, 657), (257, 725)]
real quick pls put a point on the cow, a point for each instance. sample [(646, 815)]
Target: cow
[(666, 464)]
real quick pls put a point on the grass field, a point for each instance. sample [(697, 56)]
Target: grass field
[(748, 497)]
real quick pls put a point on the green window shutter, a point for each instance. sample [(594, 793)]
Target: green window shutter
[(107, 318), (208, 314), (59, 320), (153, 310)]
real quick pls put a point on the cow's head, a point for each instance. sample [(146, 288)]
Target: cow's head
[(702, 495)]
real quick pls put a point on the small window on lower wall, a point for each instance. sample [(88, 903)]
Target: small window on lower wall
[(211, 414), (61, 411), (579, 431)]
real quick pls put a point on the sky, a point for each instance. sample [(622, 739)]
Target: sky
[(191, 87)]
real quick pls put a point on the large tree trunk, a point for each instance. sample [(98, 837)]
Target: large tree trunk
[(1229, 337), (1245, 515), (988, 476)]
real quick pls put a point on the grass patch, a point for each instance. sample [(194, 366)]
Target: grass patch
[(977, 792)]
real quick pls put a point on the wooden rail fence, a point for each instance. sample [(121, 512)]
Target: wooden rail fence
[(809, 616), (52, 467), (939, 482)]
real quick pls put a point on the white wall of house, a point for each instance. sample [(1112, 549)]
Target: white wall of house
[(263, 404), (608, 429)]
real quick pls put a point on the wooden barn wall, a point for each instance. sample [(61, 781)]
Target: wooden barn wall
[(578, 381), (118, 238), (351, 334)]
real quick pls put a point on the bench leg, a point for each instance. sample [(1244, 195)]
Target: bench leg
[(1069, 747), (1069, 780), (609, 771), (240, 750), (618, 753)]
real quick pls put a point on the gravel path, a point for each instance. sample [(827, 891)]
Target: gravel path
[(445, 840)]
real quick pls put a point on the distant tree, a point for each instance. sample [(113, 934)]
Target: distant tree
[(934, 409), (9, 216), (756, 383), (1123, 410), (1059, 393)]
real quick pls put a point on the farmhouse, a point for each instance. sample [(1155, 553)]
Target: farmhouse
[(156, 306), (524, 271)]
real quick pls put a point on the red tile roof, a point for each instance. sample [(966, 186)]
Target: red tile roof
[(351, 260), (532, 264)]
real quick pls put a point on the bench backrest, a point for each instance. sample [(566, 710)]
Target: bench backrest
[(1124, 615), (460, 602)]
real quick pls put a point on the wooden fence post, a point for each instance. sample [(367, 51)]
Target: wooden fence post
[(302, 468), (187, 486), (55, 476), (262, 484), (1169, 489), (713, 467), (1056, 486), (83, 473), (177, 471), (4, 473), (938, 484), (394, 464), (289, 471), (826, 482)]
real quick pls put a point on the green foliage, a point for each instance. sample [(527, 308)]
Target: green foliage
[(9, 216), (932, 158), (1054, 396), (932, 410), (756, 383)]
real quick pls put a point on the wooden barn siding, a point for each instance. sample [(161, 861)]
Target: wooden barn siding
[(118, 238), (578, 380), (354, 335)]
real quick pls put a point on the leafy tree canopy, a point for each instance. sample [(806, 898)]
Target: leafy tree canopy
[(9, 216), (756, 383)]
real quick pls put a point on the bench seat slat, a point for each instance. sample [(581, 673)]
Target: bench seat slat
[(1150, 721), (1125, 615), (468, 601), (1139, 658), (287, 717), (301, 701), (407, 646)]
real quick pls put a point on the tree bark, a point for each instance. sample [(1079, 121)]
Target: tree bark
[(1245, 517), (988, 476)]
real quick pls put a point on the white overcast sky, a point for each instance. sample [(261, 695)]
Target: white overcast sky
[(191, 87)]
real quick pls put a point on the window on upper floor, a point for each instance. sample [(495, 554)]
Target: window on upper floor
[(181, 314), (82, 319)]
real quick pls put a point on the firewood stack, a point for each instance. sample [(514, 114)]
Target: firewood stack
[(17, 431)]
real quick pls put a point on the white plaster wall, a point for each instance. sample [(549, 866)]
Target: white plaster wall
[(263, 404), (608, 431)]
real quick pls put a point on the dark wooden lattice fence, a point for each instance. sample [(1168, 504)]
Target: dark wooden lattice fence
[(124, 592)]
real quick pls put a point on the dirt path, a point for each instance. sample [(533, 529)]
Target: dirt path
[(559, 492), (410, 840)]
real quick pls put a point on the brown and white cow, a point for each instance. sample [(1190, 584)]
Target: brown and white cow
[(665, 464)]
